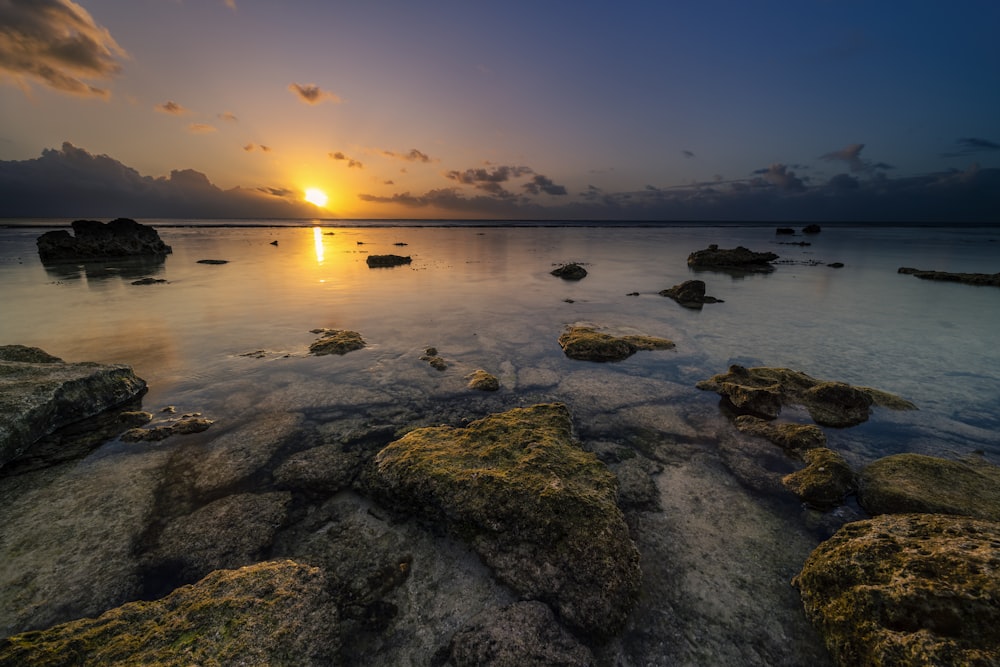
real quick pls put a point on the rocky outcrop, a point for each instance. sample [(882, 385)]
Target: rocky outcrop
[(824, 482), (762, 391), (483, 381), (793, 438), (812, 229), (538, 509), (386, 261), (917, 483), (94, 240), (185, 425), (435, 361), (586, 344), (525, 634), (690, 294), (335, 341), (273, 613), (907, 589), (40, 393), (990, 279), (738, 258), (570, 272)]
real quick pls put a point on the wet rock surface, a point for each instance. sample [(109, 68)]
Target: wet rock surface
[(690, 294), (335, 341), (985, 279), (40, 393), (387, 261), (907, 589), (91, 239), (483, 381), (824, 482), (793, 438), (739, 258), (570, 272), (588, 344)]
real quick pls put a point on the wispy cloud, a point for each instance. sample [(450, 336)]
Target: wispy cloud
[(228, 116), (351, 162), (413, 155), (972, 145), (850, 154), (687, 154), (201, 128), (540, 183), (56, 43), (257, 147), (310, 93), (172, 108)]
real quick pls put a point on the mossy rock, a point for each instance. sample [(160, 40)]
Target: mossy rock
[(336, 341), (483, 381), (824, 482), (917, 483), (539, 510), (274, 613), (762, 391), (587, 344), (793, 438), (907, 589)]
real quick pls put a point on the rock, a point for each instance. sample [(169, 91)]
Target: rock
[(274, 613), (483, 381), (432, 358), (40, 393), (586, 344), (323, 470), (524, 633), (811, 229), (824, 482), (386, 261), (539, 510), (762, 391), (990, 279), (736, 258), (122, 237), (836, 265), (183, 426), (570, 272), (907, 589), (213, 261), (793, 438), (336, 341), (917, 483), (784, 231), (148, 281), (690, 294)]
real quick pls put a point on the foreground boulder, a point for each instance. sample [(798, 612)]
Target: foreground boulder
[(690, 294), (762, 391), (824, 482), (40, 393), (94, 240), (907, 589), (739, 258), (918, 483), (991, 279), (274, 613), (586, 344), (539, 510)]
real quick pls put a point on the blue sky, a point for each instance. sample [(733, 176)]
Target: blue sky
[(708, 110)]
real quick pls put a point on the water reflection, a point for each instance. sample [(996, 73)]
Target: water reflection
[(318, 242), (126, 268)]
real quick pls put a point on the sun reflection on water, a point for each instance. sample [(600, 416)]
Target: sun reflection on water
[(318, 242)]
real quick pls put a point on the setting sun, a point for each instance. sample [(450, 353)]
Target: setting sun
[(316, 196)]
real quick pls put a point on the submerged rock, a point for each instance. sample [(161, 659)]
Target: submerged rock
[(917, 483), (690, 294), (539, 510), (483, 381), (824, 482), (570, 272), (386, 261), (907, 589), (991, 279), (336, 341), (762, 391), (793, 438), (274, 613), (122, 237), (183, 426), (40, 393), (812, 229), (586, 344), (734, 258)]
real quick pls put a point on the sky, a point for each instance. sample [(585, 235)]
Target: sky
[(810, 110)]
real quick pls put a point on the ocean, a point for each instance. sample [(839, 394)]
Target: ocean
[(230, 341)]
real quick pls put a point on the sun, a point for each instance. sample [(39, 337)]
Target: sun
[(317, 197)]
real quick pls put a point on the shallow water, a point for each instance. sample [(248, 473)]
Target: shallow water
[(231, 341)]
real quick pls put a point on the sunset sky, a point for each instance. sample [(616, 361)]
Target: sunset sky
[(810, 110)]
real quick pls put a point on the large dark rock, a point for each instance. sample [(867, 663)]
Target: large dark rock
[(690, 294), (538, 509), (735, 258), (586, 344), (273, 613), (40, 393), (793, 438), (336, 341), (570, 272), (907, 589), (824, 482), (917, 483), (122, 237), (387, 261), (991, 279)]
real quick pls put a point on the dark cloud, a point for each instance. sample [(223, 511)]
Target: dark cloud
[(849, 154), (58, 44), (351, 162), (687, 153), (310, 93), (171, 107), (844, 182), (257, 147), (413, 155), (539, 183), (970, 145), (491, 179), (73, 183), (783, 178)]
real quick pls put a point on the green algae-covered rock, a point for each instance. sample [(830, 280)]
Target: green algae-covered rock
[(907, 589), (336, 341), (793, 438), (824, 482), (762, 391), (483, 381), (539, 510), (274, 613), (586, 344), (918, 483)]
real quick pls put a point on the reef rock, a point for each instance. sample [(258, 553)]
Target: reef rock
[(586, 344), (824, 482), (740, 258), (690, 294), (991, 279), (762, 391), (793, 438), (917, 483), (40, 393), (483, 381), (525, 634), (570, 272), (336, 341), (122, 237), (386, 261), (273, 613), (539, 510), (907, 589)]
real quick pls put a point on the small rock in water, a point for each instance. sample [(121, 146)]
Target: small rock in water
[(336, 341), (213, 261), (483, 381), (570, 272), (386, 261)]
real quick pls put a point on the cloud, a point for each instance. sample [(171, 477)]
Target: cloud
[(412, 156), (228, 117), (172, 108), (72, 183), (849, 154), (201, 128), (971, 145), (783, 178), (687, 154), (540, 183), (58, 44), (351, 162), (310, 93), (257, 147)]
